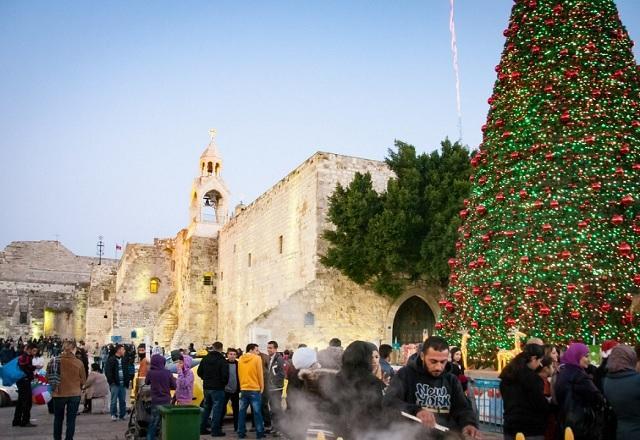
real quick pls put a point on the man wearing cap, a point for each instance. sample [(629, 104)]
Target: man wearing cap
[(601, 371)]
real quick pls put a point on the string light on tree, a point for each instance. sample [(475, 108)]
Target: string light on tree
[(553, 214)]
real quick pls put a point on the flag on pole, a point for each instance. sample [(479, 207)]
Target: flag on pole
[(118, 247)]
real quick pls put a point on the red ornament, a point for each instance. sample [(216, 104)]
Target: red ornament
[(624, 248), (619, 172), (554, 204), (538, 204), (596, 186), (548, 156), (481, 210), (530, 291), (486, 238), (606, 307), (565, 254), (509, 234), (524, 259), (474, 324), (476, 290), (499, 123), (442, 302), (523, 194), (464, 213), (506, 135), (500, 197), (547, 227), (510, 322), (624, 149), (635, 124), (481, 261), (636, 279), (590, 139), (438, 326), (617, 219), (544, 310), (557, 9), (450, 307), (452, 262), (590, 46), (487, 298), (570, 74), (498, 284), (582, 224), (627, 200), (571, 287), (548, 88), (575, 314), (565, 117), (535, 49), (618, 74), (596, 93)]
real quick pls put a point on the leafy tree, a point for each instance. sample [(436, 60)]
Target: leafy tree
[(407, 233)]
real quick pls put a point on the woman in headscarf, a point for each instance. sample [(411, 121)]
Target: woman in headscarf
[(577, 395), (622, 389)]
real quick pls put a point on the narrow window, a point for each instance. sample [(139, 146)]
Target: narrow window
[(173, 265), (209, 168), (234, 248), (23, 317), (280, 243), (105, 295), (309, 319), (221, 276), (207, 279), (249, 260), (154, 283)]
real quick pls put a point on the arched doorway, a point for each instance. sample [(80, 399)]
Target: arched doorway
[(413, 319)]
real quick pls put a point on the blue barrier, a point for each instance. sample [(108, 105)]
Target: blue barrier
[(487, 403)]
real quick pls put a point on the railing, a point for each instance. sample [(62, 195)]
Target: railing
[(487, 402)]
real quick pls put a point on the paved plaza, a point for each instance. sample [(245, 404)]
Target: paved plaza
[(93, 427)]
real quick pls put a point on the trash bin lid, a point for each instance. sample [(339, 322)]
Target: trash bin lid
[(179, 409)]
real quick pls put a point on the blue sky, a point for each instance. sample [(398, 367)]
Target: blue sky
[(106, 106)]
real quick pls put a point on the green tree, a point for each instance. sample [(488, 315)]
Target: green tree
[(390, 240), (551, 235)]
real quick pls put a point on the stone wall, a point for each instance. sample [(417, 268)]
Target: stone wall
[(281, 231), (194, 312), (135, 308), (330, 306), (100, 299), (49, 284)]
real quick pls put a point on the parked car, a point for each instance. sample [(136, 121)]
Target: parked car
[(8, 395)]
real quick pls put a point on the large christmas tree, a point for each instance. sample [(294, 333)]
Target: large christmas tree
[(551, 238)]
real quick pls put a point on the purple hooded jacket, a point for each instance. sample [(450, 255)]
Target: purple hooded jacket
[(161, 381), (184, 390)]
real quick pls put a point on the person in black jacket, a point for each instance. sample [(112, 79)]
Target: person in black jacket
[(575, 390), (214, 372), (275, 384), (118, 375), (425, 390), (232, 390), (22, 414), (526, 409)]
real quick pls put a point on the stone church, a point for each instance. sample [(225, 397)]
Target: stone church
[(250, 275)]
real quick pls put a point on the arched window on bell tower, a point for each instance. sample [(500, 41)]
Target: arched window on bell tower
[(210, 204), (209, 168)]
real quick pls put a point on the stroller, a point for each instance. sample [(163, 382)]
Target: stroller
[(140, 414)]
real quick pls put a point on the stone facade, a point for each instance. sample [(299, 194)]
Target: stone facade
[(252, 277), (272, 284), (44, 289)]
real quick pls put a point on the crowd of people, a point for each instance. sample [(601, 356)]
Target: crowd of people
[(546, 388), (353, 393)]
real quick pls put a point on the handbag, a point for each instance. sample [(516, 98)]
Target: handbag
[(584, 420)]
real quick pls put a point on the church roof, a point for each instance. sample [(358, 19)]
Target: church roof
[(212, 148)]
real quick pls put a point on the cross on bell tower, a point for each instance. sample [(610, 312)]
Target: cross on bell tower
[(209, 195)]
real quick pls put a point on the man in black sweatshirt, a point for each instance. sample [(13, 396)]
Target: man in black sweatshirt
[(422, 388), (214, 372)]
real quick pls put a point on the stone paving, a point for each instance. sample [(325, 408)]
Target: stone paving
[(93, 427)]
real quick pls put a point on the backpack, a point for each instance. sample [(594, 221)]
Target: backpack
[(11, 372), (53, 373)]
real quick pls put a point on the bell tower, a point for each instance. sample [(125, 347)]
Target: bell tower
[(208, 208)]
